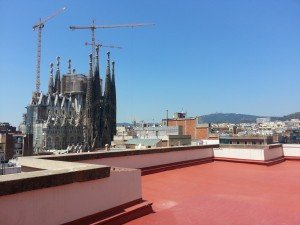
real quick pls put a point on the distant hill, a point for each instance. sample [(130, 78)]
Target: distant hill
[(295, 115), (229, 118), (124, 124), (235, 118), (243, 118)]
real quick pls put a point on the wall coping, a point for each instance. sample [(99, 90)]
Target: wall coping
[(242, 146), (290, 145), (73, 157), (51, 173), (55, 170)]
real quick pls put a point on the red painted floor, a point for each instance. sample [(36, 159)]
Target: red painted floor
[(222, 193)]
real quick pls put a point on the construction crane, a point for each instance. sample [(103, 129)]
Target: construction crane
[(39, 26), (101, 45), (93, 27)]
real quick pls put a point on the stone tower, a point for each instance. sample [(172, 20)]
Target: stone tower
[(50, 85), (96, 104), (107, 103), (88, 107), (57, 84), (113, 102)]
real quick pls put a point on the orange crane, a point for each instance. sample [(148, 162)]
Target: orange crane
[(93, 27), (39, 26)]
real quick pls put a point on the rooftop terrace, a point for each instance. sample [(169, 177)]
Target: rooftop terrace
[(187, 185), (221, 193)]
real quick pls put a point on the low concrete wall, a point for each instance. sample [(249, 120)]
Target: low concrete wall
[(64, 203), (155, 159), (273, 152), (291, 150), (239, 153), (10, 170), (267, 153)]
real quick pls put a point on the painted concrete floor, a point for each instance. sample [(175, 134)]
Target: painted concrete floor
[(221, 193)]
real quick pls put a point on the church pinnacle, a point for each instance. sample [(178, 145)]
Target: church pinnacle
[(50, 85), (113, 102), (57, 85)]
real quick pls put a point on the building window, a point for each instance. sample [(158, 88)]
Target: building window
[(246, 142), (238, 142)]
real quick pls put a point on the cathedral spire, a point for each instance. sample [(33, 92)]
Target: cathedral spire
[(97, 62), (89, 90), (107, 109), (57, 85), (96, 103), (97, 91), (113, 101), (89, 82), (107, 79), (69, 66), (108, 63), (50, 85), (113, 72), (91, 65), (88, 106)]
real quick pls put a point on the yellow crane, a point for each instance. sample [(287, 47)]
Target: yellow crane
[(39, 26)]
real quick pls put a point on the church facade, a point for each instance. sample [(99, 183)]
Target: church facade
[(76, 111)]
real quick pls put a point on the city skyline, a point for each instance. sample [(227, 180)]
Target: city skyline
[(203, 56)]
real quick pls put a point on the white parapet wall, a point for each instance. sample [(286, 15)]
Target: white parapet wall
[(291, 150), (260, 154), (153, 159), (239, 153), (65, 203), (210, 142)]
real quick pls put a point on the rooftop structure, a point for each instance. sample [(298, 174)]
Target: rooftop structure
[(158, 132), (7, 128), (195, 187), (139, 143), (15, 145), (246, 140), (190, 126)]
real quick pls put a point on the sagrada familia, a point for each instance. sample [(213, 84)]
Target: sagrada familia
[(75, 111)]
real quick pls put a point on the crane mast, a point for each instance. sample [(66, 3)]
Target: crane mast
[(38, 57), (39, 26)]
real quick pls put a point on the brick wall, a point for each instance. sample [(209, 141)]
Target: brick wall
[(189, 127)]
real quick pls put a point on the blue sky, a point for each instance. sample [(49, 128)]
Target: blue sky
[(202, 56)]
